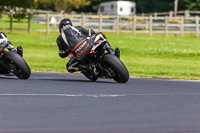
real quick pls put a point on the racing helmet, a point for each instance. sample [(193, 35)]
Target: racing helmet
[(63, 22)]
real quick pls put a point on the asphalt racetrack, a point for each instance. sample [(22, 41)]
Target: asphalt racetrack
[(70, 103)]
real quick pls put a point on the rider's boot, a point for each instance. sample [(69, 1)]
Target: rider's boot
[(82, 67), (109, 49), (90, 68)]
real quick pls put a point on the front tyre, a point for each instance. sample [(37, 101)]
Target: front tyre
[(18, 64), (121, 74)]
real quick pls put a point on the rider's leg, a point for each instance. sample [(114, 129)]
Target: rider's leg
[(109, 49), (101, 36), (77, 67), (75, 63), (72, 65)]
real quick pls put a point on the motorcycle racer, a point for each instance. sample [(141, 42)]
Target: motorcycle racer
[(78, 41)]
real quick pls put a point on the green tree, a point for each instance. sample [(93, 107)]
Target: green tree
[(93, 7), (149, 6), (66, 5), (46, 4), (18, 7), (193, 5), (69, 5)]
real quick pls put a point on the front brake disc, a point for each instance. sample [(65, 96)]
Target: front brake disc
[(13, 69)]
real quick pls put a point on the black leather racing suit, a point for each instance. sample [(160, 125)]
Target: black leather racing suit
[(78, 41)]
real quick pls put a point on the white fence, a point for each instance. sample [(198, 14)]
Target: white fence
[(132, 24), (115, 23)]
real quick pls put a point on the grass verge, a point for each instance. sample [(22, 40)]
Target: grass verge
[(159, 57)]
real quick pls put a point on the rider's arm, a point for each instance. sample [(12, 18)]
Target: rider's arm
[(3, 34), (87, 33), (10, 47), (63, 51)]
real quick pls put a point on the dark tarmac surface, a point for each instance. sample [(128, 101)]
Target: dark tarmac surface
[(70, 103)]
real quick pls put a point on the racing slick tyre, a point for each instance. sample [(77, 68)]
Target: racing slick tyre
[(120, 73), (18, 64)]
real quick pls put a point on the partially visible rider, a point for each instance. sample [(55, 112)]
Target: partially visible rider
[(78, 41), (4, 40)]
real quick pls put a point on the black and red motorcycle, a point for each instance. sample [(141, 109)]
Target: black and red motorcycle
[(12, 62), (105, 64)]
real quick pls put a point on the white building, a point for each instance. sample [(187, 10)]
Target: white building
[(117, 7)]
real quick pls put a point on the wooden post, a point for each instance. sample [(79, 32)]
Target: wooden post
[(29, 22), (155, 14), (100, 22), (175, 7), (117, 25), (150, 25), (134, 24), (47, 23), (171, 13), (143, 14), (182, 26), (187, 13), (197, 26), (83, 20), (64, 15), (11, 22), (29, 25), (166, 26)]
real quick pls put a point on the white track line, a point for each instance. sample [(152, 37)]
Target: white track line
[(101, 95)]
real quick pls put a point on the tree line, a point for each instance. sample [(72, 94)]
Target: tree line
[(143, 6), (150, 6)]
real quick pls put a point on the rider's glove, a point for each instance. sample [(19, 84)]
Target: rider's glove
[(63, 53), (9, 43), (10, 47)]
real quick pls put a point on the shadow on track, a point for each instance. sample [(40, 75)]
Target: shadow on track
[(60, 78), (78, 80), (9, 77)]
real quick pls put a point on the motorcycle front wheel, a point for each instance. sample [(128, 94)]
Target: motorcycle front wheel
[(120, 72), (18, 64)]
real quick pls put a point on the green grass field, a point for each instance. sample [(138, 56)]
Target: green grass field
[(144, 56), (24, 25), (160, 57)]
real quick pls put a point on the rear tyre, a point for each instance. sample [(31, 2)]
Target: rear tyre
[(121, 74), (18, 64)]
